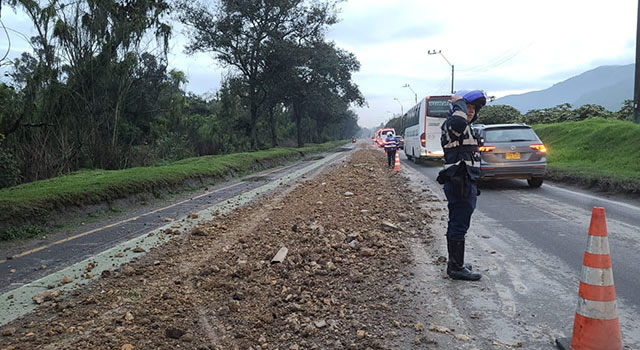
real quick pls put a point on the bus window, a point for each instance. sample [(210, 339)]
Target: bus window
[(438, 107)]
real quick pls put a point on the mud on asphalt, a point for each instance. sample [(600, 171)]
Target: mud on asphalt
[(345, 282)]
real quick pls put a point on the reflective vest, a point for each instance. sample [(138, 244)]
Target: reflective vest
[(390, 144), (458, 143)]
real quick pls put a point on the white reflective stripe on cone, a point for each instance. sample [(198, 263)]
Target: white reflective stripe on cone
[(597, 277), (598, 245), (597, 310)]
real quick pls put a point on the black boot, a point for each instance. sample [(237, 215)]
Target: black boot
[(466, 265), (456, 268)]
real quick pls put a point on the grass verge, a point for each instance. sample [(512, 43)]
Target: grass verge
[(30, 204), (598, 153)]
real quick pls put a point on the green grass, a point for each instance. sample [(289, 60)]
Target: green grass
[(21, 232), (593, 148), (31, 202)]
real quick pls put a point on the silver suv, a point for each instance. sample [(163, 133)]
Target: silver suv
[(511, 151)]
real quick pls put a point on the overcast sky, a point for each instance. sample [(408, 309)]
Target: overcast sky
[(501, 46)]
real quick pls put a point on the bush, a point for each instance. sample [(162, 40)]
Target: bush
[(172, 147), (9, 172)]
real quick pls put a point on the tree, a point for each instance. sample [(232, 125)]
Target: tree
[(320, 85), (244, 33), (590, 111), (74, 90), (499, 114), (626, 112)]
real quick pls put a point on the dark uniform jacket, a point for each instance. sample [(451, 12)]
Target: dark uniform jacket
[(460, 148)]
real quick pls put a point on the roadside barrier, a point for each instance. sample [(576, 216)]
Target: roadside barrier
[(396, 166), (596, 325)]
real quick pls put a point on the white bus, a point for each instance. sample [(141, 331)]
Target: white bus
[(422, 134)]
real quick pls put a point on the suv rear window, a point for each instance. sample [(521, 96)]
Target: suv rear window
[(509, 135)]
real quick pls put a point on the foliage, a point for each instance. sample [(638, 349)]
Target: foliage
[(498, 114), (279, 57), (21, 232), (95, 91), (596, 146), (9, 172), (564, 112), (40, 198), (397, 123)]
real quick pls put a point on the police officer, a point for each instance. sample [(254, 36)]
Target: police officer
[(459, 176), (390, 146)]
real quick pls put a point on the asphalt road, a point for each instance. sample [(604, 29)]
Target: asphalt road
[(529, 243), (21, 265)]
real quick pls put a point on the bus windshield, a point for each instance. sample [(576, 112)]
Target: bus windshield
[(438, 106)]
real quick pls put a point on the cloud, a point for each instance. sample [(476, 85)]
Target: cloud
[(500, 46)]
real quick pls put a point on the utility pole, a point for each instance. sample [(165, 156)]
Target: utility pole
[(434, 52), (636, 90), (402, 114), (414, 93)]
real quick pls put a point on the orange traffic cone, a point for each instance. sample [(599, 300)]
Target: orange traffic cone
[(396, 166), (596, 325)]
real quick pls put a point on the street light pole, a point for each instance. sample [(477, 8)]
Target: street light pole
[(401, 108), (414, 93), (434, 52), (401, 115)]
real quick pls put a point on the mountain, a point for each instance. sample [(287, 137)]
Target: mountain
[(607, 86)]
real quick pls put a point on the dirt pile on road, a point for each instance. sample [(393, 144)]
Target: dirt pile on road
[(339, 285)]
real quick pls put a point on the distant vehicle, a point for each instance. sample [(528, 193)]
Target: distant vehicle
[(511, 151), (400, 141), (422, 134), (353, 140), (381, 134)]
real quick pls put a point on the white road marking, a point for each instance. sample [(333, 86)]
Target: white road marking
[(622, 204)]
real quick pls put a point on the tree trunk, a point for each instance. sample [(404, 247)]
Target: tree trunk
[(298, 116), (272, 126), (254, 126)]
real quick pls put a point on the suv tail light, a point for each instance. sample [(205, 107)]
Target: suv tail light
[(538, 147), (486, 148), (423, 140)]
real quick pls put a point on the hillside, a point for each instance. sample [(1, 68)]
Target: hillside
[(596, 152), (607, 86)]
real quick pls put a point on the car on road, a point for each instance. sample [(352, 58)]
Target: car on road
[(511, 151), (400, 141), (381, 134)]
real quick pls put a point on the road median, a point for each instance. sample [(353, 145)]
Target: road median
[(341, 284), (26, 210)]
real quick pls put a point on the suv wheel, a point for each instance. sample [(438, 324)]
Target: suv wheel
[(535, 182)]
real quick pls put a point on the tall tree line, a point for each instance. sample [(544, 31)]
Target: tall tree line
[(96, 92)]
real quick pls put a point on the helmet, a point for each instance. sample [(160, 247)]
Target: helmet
[(474, 97), (389, 134)]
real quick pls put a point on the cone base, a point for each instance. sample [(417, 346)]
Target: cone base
[(563, 343), (593, 334)]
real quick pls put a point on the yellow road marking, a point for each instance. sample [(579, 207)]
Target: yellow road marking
[(34, 250)]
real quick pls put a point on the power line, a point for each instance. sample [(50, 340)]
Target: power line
[(500, 60), (8, 41)]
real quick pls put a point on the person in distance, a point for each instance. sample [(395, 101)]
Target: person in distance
[(390, 147), (459, 176)]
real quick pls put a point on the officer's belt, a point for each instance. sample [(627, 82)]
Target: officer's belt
[(468, 162), (463, 148)]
